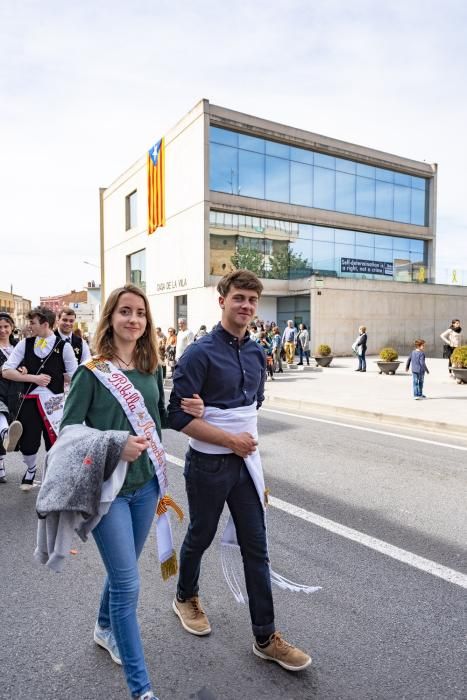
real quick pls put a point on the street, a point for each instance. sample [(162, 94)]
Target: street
[(384, 625)]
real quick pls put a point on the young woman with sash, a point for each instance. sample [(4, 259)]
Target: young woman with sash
[(10, 393), (122, 389)]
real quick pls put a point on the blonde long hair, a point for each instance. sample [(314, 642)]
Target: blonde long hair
[(146, 356)]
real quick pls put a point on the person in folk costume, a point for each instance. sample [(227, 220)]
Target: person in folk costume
[(48, 361), (64, 330), (127, 352), (10, 393), (227, 369)]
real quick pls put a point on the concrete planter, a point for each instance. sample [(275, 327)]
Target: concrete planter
[(460, 374), (388, 367), (323, 360)]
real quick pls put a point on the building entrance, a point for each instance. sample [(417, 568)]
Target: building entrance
[(296, 308)]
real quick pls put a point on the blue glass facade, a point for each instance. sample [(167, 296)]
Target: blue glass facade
[(254, 167), (278, 249)]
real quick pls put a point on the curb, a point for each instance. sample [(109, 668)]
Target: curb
[(374, 416)]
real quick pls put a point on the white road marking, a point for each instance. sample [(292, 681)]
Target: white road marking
[(402, 555), (368, 430)]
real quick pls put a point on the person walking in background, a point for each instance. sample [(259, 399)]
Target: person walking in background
[(303, 344), (161, 341), (65, 323), (277, 349), (49, 361), (264, 343), (170, 349), (452, 339), (416, 359), (359, 347), (202, 331), (184, 338), (10, 395), (289, 341)]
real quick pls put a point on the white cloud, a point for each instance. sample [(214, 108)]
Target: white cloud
[(86, 88)]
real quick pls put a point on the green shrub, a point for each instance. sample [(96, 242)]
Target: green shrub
[(459, 357), (388, 354), (323, 350)]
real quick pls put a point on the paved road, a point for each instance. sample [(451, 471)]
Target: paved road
[(379, 628)]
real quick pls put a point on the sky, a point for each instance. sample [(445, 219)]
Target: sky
[(86, 88)]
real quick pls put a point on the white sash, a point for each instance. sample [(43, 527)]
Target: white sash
[(132, 403), (243, 419)]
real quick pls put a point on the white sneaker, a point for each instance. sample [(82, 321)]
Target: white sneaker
[(10, 440)]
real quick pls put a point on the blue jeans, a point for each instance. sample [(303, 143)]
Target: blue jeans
[(417, 382), (120, 538), (362, 360), (303, 354), (212, 481)]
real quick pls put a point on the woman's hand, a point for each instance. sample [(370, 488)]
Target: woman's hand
[(134, 448), (194, 407)]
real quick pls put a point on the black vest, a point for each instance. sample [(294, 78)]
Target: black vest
[(76, 344), (54, 365)]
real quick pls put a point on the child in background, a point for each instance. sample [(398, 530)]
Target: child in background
[(417, 360)]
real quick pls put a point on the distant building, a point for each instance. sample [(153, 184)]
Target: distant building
[(17, 306), (341, 234), (85, 303)]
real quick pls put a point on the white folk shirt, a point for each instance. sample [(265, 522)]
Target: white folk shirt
[(184, 339), (16, 359), (86, 354)]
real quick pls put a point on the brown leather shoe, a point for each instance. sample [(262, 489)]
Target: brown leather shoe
[(192, 616), (283, 653)]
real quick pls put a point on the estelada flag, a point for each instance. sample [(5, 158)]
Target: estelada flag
[(156, 194)]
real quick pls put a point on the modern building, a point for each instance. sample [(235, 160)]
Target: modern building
[(341, 234)]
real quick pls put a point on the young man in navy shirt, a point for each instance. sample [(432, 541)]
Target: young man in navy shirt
[(228, 370)]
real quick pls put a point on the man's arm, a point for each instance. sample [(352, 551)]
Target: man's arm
[(86, 354), (69, 360), (242, 444)]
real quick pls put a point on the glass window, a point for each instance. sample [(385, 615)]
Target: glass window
[(228, 138), (417, 210), (345, 192), (384, 208), (277, 149), (342, 251), (322, 233), (251, 143), (223, 176), (402, 179), (416, 246), (346, 166), (136, 269), (301, 155), (344, 236), (325, 161), (366, 170), (383, 254), (301, 184), (324, 188), (419, 183), (384, 175), (366, 196), (277, 179), (364, 253), (402, 203), (251, 174), (366, 239), (401, 243), (323, 256), (131, 210), (383, 242)]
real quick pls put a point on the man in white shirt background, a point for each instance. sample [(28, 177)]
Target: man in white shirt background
[(65, 323), (184, 338), (48, 360)]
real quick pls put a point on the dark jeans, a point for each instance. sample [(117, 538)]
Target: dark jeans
[(303, 354), (212, 481), (362, 360)]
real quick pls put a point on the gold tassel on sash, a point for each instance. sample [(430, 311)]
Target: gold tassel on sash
[(169, 567), (168, 502)]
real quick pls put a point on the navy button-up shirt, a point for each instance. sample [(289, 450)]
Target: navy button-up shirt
[(225, 372)]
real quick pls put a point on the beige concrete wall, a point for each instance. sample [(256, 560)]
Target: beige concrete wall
[(394, 313)]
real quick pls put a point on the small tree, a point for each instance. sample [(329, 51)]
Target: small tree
[(248, 259)]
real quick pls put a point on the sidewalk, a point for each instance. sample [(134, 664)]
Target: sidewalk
[(340, 391)]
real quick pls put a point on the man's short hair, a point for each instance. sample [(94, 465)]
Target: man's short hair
[(44, 314), (240, 279), (67, 311)]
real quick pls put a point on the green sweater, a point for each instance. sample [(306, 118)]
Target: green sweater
[(90, 402)]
